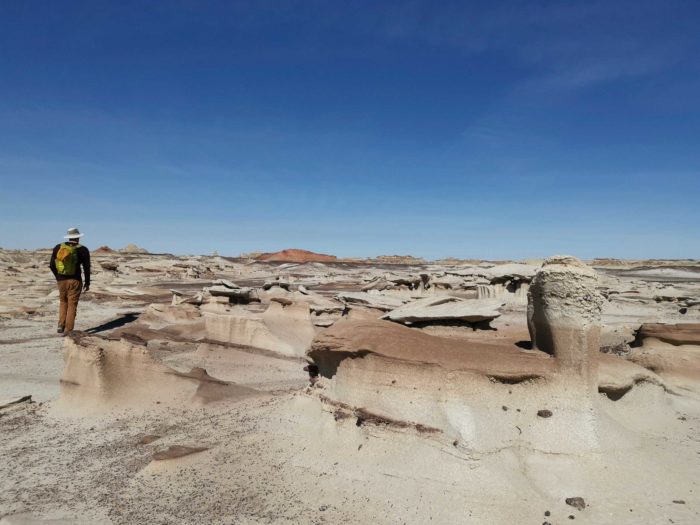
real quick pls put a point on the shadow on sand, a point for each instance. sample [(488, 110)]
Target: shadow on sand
[(115, 323)]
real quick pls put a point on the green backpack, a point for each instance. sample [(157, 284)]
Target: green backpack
[(67, 259)]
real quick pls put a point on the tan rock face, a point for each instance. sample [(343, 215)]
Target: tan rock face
[(563, 313), (675, 334), (102, 374), (284, 329), (673, 352)]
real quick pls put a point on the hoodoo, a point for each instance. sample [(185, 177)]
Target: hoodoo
[(563, 314)]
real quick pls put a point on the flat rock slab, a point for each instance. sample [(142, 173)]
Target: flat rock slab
[(225, 291), (446, 309), (371, 300), (675, 334)]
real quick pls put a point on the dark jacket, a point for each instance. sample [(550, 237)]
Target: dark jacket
[(83, 260)]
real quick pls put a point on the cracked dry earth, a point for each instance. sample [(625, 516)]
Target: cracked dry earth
[(282, 456)]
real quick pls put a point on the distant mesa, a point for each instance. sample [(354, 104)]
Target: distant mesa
[(293, 255), (396, 259), (104, 249), (132, 248)]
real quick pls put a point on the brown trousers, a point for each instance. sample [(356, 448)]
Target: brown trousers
[(69, 292)]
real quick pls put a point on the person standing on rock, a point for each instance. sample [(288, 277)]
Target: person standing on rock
[(66, 260)]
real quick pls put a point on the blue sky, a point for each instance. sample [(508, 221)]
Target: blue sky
[(469, 129)]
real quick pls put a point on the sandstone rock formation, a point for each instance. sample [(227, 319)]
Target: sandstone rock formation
[(563, 314), (675, 334), (372, 300), (283, 328), (446, 308), (672, 352), (104, 374), (460, 387), (462, 419)]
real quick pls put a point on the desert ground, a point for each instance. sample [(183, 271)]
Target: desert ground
[(301, 388)]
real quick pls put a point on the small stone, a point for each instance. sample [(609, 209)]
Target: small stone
[(571, 517), (679, 501), (544, 413), (323, 508), (505, 408), (547, 513), (148, 438), (577, 502)]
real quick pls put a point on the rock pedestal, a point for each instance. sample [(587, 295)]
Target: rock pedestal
[(563, 314)]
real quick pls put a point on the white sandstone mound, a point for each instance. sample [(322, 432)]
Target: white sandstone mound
[(285, 327), (102, 374)]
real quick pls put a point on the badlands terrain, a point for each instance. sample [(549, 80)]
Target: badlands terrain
[(293, 388)]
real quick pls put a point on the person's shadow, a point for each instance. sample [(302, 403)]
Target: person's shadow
[(115, 323)]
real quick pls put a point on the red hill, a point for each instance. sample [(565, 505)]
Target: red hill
[(296, 256), (104, 249)]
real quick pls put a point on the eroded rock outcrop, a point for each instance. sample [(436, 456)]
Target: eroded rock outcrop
[(486, 396), (563, 314), (103, 374), (371, 300), (672, 352), (285, 327), (675, 334), (446, 309)]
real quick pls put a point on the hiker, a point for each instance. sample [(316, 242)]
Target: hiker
[(66, 260)]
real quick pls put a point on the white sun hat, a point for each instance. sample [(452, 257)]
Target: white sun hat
[(73, 233)]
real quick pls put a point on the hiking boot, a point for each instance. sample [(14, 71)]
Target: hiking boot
[(60, 330)]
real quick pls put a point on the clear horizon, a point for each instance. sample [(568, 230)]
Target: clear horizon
[(470, 130)]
